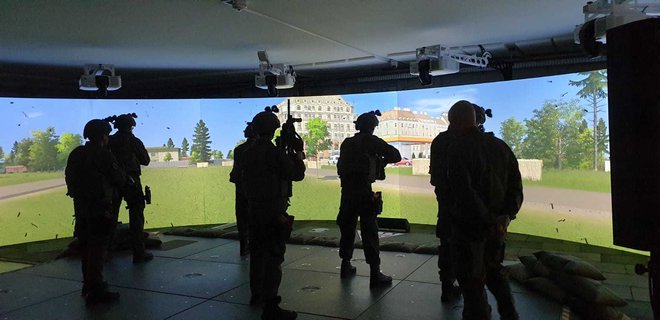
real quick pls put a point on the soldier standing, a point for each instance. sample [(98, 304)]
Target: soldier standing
[(485, 189), (362, 160), (131, 154), (241, 204), (438, 172), (93, 177), (267, 174)]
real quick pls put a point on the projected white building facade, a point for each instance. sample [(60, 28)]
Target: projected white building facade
[(334, 110), (410, 131)]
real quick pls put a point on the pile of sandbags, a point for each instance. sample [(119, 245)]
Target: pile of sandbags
[(569, 281)]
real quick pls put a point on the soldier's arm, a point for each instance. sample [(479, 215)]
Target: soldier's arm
[(235, 174), (291, 168), (141, 152), (389, 153), (514, 193), (434, 161)]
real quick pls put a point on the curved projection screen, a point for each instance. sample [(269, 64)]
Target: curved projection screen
[(548, 122)]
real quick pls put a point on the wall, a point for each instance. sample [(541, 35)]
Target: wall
[(530, 169)]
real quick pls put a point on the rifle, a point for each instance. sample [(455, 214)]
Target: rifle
[(289, 140)]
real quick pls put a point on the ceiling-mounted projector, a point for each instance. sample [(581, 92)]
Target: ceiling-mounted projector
[(272, 77), (99, 77), (438, 60)]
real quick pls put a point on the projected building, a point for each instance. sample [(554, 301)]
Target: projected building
[(160, 154), (334, 110), (410, 131)]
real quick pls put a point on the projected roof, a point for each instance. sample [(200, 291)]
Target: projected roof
[(178, 49)]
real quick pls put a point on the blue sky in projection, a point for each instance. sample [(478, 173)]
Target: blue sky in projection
[(159, 120)]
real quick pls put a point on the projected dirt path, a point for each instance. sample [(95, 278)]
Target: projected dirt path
[(593, 204), (8, 192)]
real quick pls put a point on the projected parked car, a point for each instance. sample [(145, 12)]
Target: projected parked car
[(404, 162), (333, 160)]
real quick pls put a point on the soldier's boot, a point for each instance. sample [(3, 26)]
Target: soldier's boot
[(85, 289), (272, 311), (100, 294), (449, 292), (142, 257), (347, 269), (377, 278)]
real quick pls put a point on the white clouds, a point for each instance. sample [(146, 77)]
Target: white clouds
[(437, 103), (32, 115)]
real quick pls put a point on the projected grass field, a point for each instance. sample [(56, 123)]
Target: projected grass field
[(190, 196)]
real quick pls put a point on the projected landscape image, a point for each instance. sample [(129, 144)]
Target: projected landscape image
[(556, 126)]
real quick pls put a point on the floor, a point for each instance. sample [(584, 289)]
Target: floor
[(204, 278)]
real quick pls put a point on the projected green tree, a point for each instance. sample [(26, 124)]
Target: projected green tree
[(201, 143), (170, 143), (184, 147), (513, 133), (66, 144), (20, 152), (43, 153), (592, 90), (553, 134), (167, 157), (2, 153), (317, 137)]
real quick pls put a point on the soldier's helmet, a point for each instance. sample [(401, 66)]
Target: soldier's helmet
[(367, 120), (124, 121), (96, 128), (265, 122)]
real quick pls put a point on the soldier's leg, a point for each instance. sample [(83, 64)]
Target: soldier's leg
[(101, 228), (445, 264), (273, 258), (256, 263), (497, 279), (470, 272), (241, 209), (347, 222), (371, 247), (136, 220)]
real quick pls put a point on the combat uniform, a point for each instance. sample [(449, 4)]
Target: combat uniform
[(131, 153), (486, 193), (241, 204), (438, 172), (267, 172), (357, 199), (93, 178)]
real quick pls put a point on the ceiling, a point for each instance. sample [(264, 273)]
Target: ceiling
[(205, 48)]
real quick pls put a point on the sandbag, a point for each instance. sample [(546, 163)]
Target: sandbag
[(589, 290), (518, 272), (590, 311), (426, 250), (548, 288), (569, 264), (534, 266)]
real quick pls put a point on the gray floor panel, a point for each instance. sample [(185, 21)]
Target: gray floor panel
[(229, 253), (417, 300), (67, 268), (18, 290), (186, 277), (319, 293), (133, 304), (213, 310), (396, 264)]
